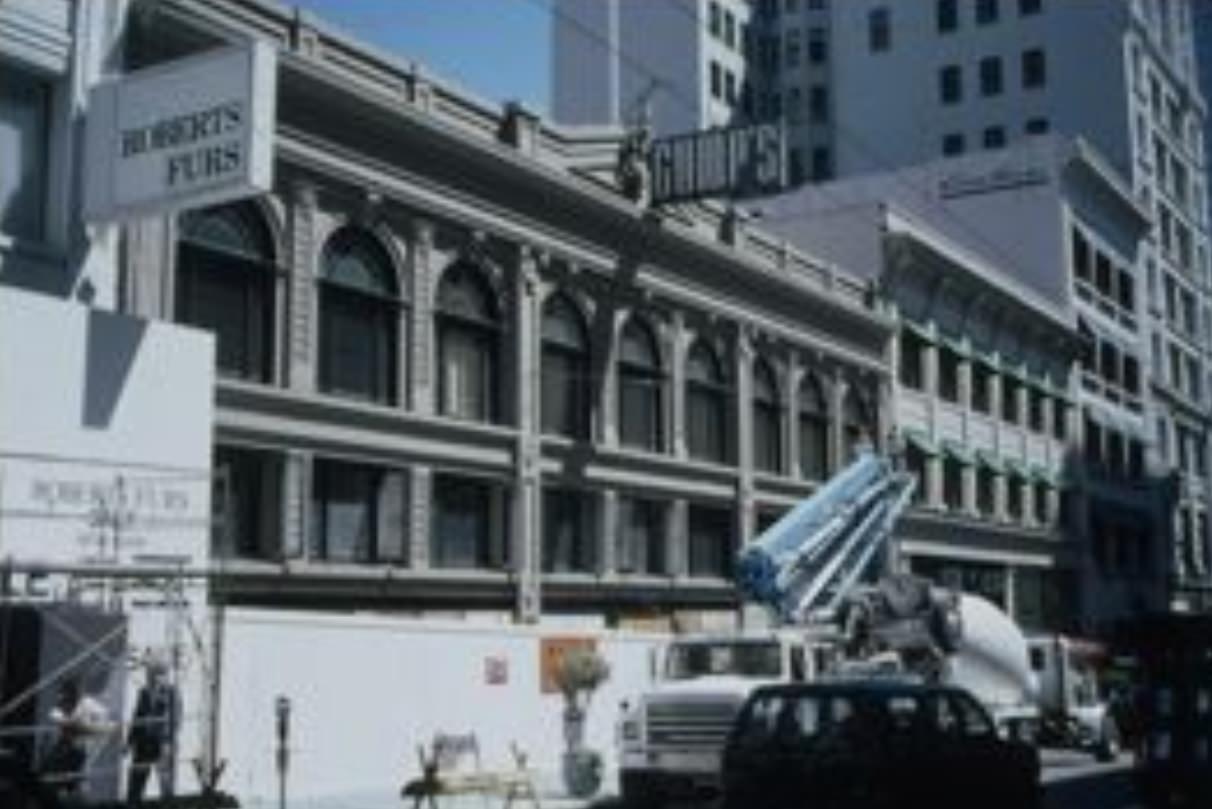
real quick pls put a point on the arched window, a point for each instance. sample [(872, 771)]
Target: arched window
[(814, 430), (468, 342), (359, 317), (566, 387), (706, 405), (858, 427), (767, 420), (641, 382), (225, 284)]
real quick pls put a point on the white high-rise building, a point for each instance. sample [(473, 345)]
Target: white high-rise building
[(869, 86)]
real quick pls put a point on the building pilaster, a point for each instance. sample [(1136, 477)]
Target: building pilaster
[(678, 338), (791, 445), (296, 502), (608, 532), (302, 323), (527, 513), (420, 505), (837, 431), (677, 548), (744, 436), (423, 272)]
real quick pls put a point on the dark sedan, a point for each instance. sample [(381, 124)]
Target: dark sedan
[(873, 744)]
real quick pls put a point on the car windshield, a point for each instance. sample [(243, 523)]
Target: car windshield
[(742, 659)]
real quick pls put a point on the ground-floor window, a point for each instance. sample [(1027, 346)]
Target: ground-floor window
[(1041, 599), (359, 513), (1014, 499), (915, 465), (710, 533), (569, 535), (953, 484), (246, 503), (468, 523), (986, 486), (641, 536), (978, 578), (1041, 503)]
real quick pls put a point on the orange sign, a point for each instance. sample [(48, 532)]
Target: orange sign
[(552, 651)]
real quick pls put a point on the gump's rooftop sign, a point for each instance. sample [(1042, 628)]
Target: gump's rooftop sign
[(735, 162), (185, 134)]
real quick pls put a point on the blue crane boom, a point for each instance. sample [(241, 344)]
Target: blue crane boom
[(808, 563)]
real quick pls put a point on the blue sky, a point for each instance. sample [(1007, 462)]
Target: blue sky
[(498, 49)]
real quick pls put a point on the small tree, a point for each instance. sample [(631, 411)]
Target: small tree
[(578, 675)]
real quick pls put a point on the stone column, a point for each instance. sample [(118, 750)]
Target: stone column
[(1011, 600), (837, 432), (968, 477), (296, 504), (930, 369), (608, 405), (791, 445), (420, 516), (302, 325), (527, 512), (678, 337), (677, 547), (1023, 405), (965, 381), (743, 426), (608, 532), (148, 268), (934, 481), (885, 417), (1001, 489), (422, 261)]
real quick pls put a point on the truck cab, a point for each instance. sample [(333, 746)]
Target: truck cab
[(672, 736), (1073, 712)]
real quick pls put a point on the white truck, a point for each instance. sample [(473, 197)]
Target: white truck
[(1073, 712), (807, 569)]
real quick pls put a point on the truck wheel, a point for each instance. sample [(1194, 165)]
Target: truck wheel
[(1107, 747)]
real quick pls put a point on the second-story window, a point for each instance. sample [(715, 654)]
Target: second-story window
[(566, 389), (950, 84), (641, 386), (1010, 387), (25, 105), (879, 29), (225, 284), (813, 430), (948, 374), (767, 420), (359, 318), (468, 338), (1035, 69), (986, 12), (982, 381), (946, 15), (991, 76), (706, 405), (858, 425)]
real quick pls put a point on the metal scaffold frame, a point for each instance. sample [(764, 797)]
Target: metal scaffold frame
[(112, 586)]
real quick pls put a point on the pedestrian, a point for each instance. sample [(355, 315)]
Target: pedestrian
[(76, 717), (151, 740)]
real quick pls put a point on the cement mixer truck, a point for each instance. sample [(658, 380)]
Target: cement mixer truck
[(812, 571)]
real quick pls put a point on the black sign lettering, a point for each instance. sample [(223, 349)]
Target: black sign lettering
[(737, 162)]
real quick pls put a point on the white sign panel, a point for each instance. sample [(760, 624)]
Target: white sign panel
[(105, 438), (186, 134)]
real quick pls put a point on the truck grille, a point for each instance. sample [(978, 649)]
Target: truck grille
[(690, 724)]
